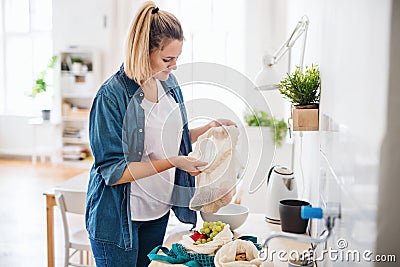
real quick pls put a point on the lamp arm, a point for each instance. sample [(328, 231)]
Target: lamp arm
[(301, 27), (269, 60), (279, 53), (304, 47)]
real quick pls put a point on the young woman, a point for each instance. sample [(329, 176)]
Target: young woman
[(140, 141)]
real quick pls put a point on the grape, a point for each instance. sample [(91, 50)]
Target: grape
[(210, 230)]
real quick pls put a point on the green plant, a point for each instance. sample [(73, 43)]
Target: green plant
[(302, 88), (76, 60), (263, 119), (40, 84)]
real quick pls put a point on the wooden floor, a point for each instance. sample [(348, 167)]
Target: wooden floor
[(22, 212)]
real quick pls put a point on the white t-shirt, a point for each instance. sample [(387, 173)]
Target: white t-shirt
[(151, 196)]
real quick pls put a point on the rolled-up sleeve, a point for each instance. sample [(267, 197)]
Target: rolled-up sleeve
[(105, 134)]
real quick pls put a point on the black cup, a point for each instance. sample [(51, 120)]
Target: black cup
[(46, 114), (290, 215)]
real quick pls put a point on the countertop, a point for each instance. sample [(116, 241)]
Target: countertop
[(255, 225)]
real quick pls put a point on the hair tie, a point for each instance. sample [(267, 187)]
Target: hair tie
[(154, 11)]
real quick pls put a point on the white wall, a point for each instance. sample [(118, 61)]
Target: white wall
[(95, 24), (21, 138), (349, 40), (87, 24), (265, 32), (16, 136), (388, 242)]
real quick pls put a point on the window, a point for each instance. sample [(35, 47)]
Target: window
[(25, 50)]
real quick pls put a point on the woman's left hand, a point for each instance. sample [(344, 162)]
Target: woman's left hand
[(221, 122), (196, 132)]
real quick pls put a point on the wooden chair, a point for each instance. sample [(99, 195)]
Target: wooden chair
[(72, 206)]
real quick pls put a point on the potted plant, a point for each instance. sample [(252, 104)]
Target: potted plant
[(302, 89), (40, 85), (263, 119)]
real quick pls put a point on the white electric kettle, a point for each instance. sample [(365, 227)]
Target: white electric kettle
[(281, 184)]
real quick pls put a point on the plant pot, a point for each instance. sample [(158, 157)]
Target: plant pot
[(46, 114), (305, 118)]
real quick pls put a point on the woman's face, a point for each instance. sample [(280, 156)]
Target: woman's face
[(162, 62)]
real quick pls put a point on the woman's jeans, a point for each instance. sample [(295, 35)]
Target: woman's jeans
[(146, 236)]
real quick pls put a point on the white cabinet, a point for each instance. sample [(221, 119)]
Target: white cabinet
[(79, 79)]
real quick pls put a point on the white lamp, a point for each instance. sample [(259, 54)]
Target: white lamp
[(267, 78)]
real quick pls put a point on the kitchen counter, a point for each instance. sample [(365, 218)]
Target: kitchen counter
[(255, 225)]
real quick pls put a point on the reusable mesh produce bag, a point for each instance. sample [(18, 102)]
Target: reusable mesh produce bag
[(209, 248), (216, 184), (178, 255), (226, 255)]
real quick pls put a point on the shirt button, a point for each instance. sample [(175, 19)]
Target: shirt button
[(141, 94), (140, 153), (140, 130)]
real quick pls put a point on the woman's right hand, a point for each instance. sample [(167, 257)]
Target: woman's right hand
[(188, 164)]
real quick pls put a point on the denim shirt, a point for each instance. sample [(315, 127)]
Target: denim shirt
[(116, 132)]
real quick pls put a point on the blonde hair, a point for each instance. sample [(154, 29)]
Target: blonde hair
[(150, 30)]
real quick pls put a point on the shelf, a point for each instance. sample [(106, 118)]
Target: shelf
[(79, 78), (88, 95), (77, 141), (68, 73), (76, 116), (77, 86)]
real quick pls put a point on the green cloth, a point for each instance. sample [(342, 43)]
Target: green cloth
[(178, 255)]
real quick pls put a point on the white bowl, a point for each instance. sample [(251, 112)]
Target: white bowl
[(233, 214)]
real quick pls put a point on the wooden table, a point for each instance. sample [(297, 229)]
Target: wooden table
[(78, 182)]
